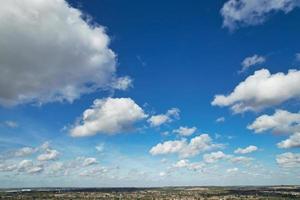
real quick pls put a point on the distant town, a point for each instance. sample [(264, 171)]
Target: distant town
[(174, 193)]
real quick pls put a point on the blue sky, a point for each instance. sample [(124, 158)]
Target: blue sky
[(149, 93)]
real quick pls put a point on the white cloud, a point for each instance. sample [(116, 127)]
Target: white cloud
[(220, 119), (108, 116), (280, 122), (29, 167), (169, 116), (185, 149), (49, 53), (25, 151), (35, 170), (7, 167), (11, 124), (89, 161), (45, 146), (122, 83), (261, 90), (185, 131), (49, 154), (181, 163), (292, 141), (188, 165), (165, 133), (97, 171), (28, 151), (25, 164), (214, 157), (288, 159), (56, 168), (219, 155), (162, 174), (252, 61), (239, 13), (240, 159), (168, 147), (232, 170), (246, 150)]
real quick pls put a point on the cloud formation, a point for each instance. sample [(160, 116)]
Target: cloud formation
[(87, 161), (291, 142), (29, 167), (214, 157), (232, 170), (60, 56), (184, 163), (108, 116), (246, 150), (261, 90), (25, 151), (49, 154), (122, 83), (169, 116), (185, 131), (280, 122), (252, 61), (288, 159), (239, 13), (185, 149)]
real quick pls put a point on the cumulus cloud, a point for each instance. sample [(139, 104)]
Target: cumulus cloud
[(97, 171), (240, 159), (252, 61), (292, 141), (89, 161), (4, 167), (25, 151), (280, 122), (108, 116), (184, 163), (28, 151), (232, 170), (27, 166), (185, 131), (168, 147), (239, 13), (49, 154), (122, 83), (184, 148), (162, 174), (214, 157), (85, 166), (288, 159), (246, 150), (56, 168), (181, 163), (50, 53), (261, 90), (169, 116)]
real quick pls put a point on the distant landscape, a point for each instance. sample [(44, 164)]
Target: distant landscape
[(187, 193), (149, 99)]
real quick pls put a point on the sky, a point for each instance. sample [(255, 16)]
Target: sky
[(149, 93)]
